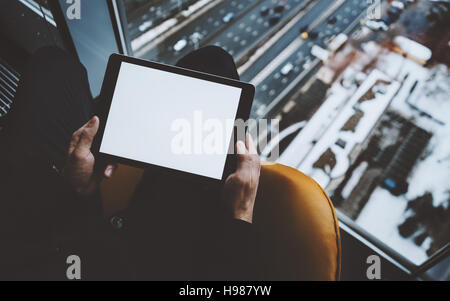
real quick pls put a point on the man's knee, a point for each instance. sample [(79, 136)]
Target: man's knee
[(216, 52), (210, 59)]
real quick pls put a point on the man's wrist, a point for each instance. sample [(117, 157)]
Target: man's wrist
[(245, 216)]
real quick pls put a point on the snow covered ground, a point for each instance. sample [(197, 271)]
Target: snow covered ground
[(372, 110), (430, 96), (354, 179), (384, 212), (381, 217), (316, 126)]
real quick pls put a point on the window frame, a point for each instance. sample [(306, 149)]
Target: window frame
[(381, 248), (117, 13), (39, 10)]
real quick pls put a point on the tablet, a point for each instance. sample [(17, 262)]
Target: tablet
[(179, 120)]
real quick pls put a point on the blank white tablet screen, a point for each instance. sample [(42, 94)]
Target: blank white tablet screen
[(171, 120)]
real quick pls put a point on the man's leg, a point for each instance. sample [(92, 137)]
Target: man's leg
[(205, 206), (52, 102), (210, 59), (173, 222)]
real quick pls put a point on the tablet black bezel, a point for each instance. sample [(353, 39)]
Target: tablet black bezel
[(107, 93)]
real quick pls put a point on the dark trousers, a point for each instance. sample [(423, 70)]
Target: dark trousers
[(171, 227)]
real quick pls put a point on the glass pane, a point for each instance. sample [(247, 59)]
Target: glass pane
[(439, 272), (355, 93), (25, 26), (28, 25), (93, 36)]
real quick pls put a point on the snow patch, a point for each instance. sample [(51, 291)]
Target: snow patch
[(381, 217), (354, 179), (372, 110)]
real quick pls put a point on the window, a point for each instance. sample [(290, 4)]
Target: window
[(361, 88), (41, 8), (28, 24), (378, 141), (25, 26)]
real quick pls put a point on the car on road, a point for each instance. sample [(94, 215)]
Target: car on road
[(264, 11), (394, 12), (287, 69), (304, 29), (320, 53), (145, 26), (274, 19), (308, 64), (313, 35), (279, 8), (376, 25), (180, 45), (196, 35), (195, 38), (228, 17), (398, 4), (332, 20), (388, 20), (337, 42)]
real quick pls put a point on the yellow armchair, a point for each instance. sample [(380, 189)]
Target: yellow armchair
[(294, 217), (297, 225)]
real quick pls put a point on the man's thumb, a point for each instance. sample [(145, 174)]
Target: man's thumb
[(87, 135)]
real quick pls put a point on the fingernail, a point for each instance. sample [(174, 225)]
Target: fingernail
[(240, 147), (249, 137), (109, 172), (91, 122)]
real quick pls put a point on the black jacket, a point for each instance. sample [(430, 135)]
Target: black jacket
[(42, 222)]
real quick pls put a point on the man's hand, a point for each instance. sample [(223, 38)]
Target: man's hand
[(79, 169), (241, 187)]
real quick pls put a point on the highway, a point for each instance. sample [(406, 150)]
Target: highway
[(285, 40), (274, 84), (142, 17), (242, 35), (237, 36), (207, 25), (249, 28)]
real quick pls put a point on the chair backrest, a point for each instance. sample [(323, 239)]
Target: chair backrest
[(294, 218), (297, 225)]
